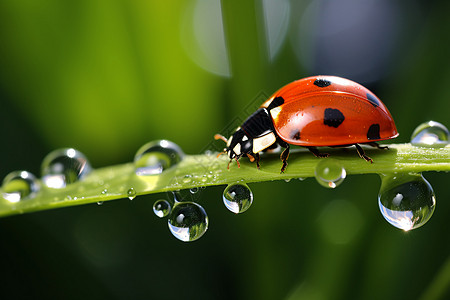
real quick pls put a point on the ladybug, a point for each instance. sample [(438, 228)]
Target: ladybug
[(313, 112)]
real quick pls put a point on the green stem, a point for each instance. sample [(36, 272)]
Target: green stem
[(114, 182)]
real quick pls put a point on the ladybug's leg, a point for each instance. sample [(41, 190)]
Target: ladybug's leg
[(284, 156), (362, 154), (257, 160), (253, 158), (375, 144), (316, 152)]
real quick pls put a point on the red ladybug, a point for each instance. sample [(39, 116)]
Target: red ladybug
[(311, 112)]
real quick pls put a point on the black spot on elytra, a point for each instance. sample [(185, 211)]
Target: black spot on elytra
[(374, 132), (275, 103), (296, 136), (333, 117), (373, 100), (322, 82)]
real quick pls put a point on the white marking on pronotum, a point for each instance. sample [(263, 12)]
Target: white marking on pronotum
[(274, 112), (237, 149), (245, 138), (261, 143)]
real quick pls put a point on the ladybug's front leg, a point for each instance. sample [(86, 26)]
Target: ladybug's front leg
[(284, 157)]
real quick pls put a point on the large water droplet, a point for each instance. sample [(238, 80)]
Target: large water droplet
[(188, 221), (237, 197), (406, 201), (64, 166), (430, 134), (330, 173), (161, 208), (19, 185), (155, 157)]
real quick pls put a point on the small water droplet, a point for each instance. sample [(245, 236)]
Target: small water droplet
[(100, 203), (157, 156), (194, 190), (301, 178), (287, 180), (19, 185), (188, 221), (406, 201), (131, 193), (104, 192), (187, 178), (161, 208), (330, 173), (430, 134), (64, 166), (237, 197)]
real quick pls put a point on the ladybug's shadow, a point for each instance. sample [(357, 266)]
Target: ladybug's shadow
[(386, 156)]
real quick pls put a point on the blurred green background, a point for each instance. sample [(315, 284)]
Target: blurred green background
[(106, 77)]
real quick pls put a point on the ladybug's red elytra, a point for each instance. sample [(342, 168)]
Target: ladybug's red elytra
[(313, 112)]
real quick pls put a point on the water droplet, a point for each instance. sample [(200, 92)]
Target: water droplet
[(157, 156), (104, 192), (64, 166), (19, 185), (430, 134), (161, 208), (187, 178), (287, 180), (100, 203), (188, 221), (406, 201), (330, 173), (131, 193), (237, 197), (194, 190)]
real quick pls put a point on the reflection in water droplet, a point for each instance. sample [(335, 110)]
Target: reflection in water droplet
[(188, 221), (406, 201), (161, 208), (431, 135), (194, 190), (237, 197), (330, 173), (64, 166), (131, 193), (100, 203), (157, 156), (104, 192), (19, 185)]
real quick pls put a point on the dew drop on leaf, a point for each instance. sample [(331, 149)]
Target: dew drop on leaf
[(237, 197), (188, 221), (157, 156), (406, 201), (64, 166), (330, 173), (430, 134), (161, 208), (131, 193), (19, 185)]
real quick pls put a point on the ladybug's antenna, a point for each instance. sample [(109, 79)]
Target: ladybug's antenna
[(220, 137), (220, 153)]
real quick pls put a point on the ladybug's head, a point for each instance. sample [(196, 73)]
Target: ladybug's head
[(238, 144)]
